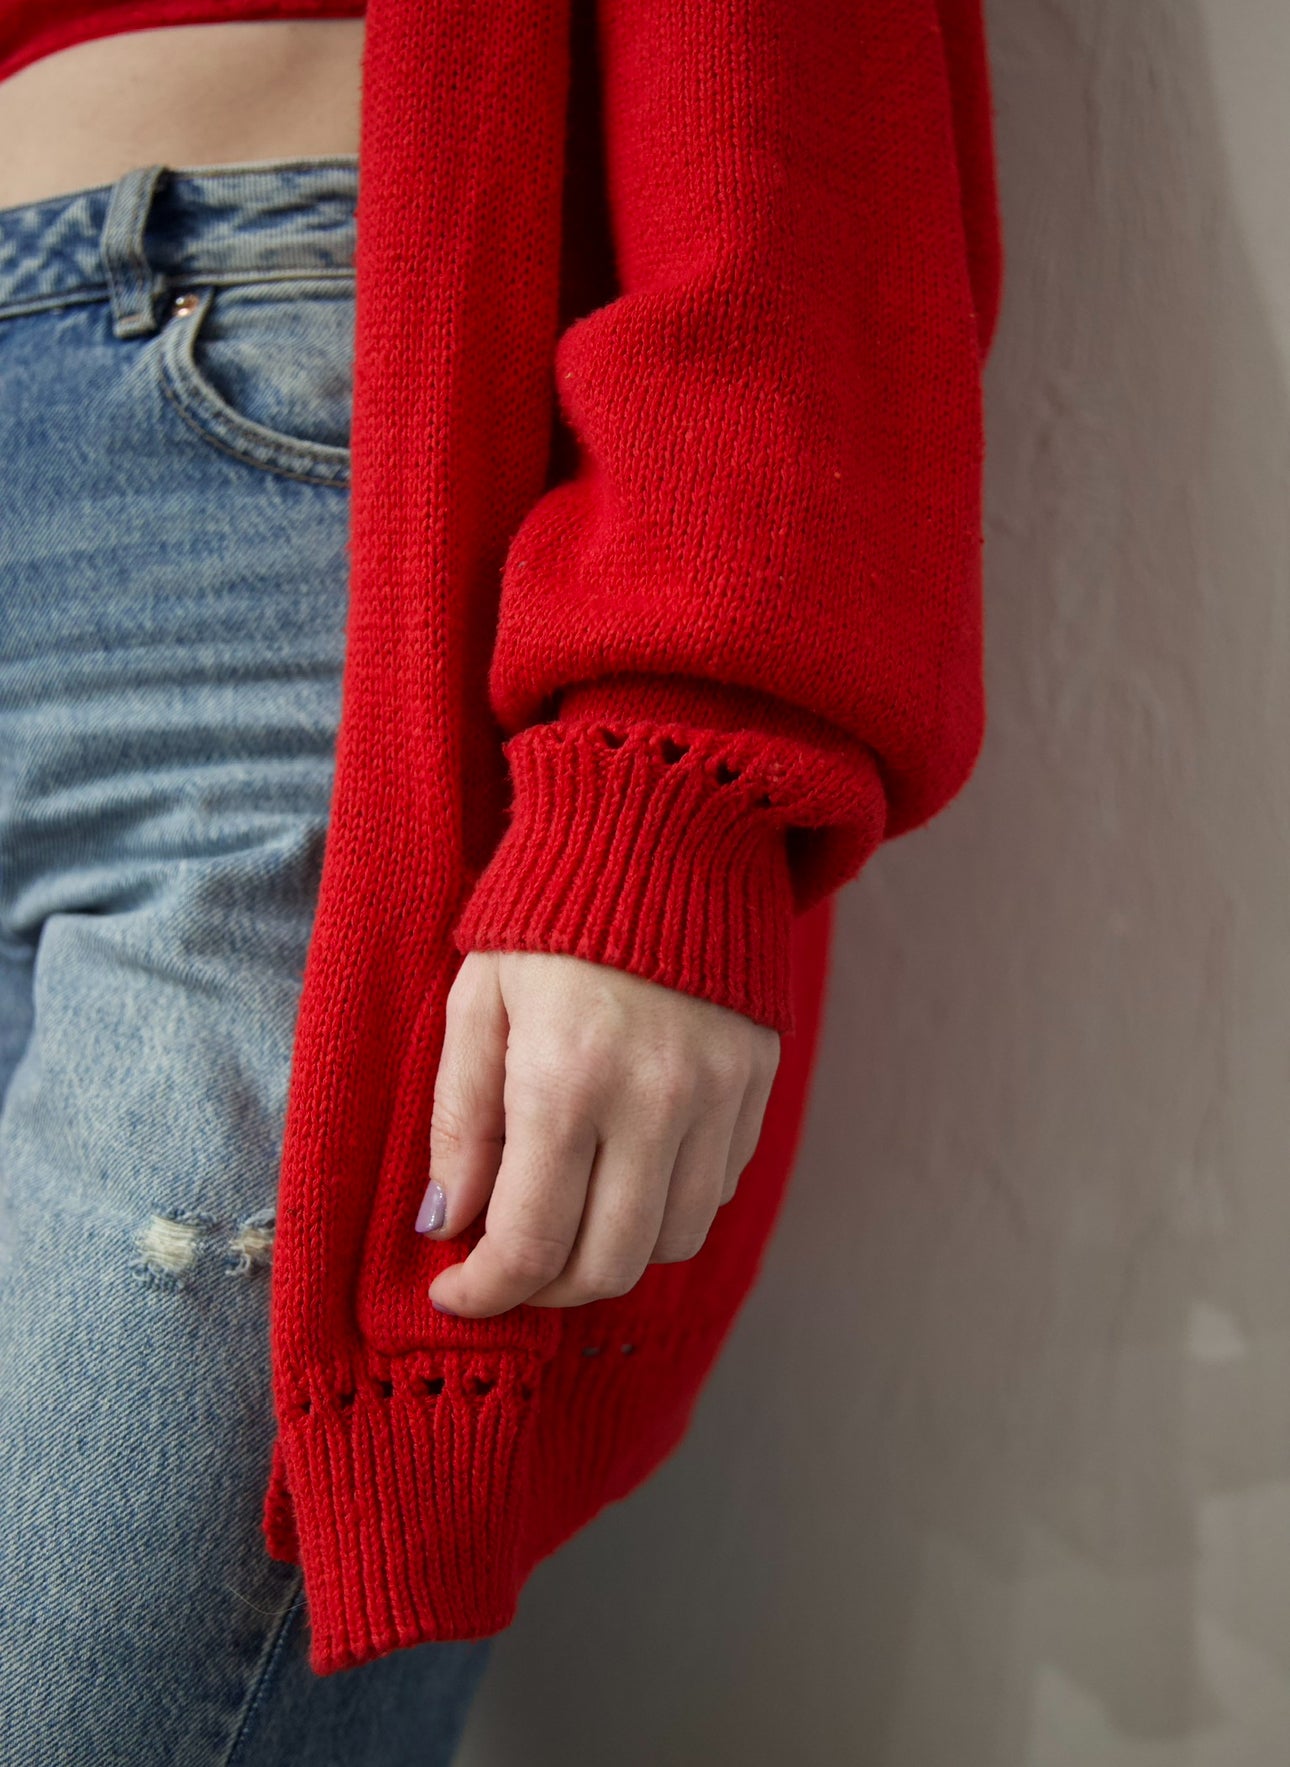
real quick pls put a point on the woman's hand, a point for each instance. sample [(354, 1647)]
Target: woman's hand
[(603, 1118)]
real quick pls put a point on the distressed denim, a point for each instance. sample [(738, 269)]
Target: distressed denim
[(176, 374)]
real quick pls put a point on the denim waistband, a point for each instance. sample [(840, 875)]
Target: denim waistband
[(157, 226)]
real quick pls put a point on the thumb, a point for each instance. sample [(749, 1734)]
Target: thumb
[(467, 1128)]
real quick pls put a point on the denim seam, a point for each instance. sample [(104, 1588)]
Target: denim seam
[(80, 296), (83, 293), (321, 478), (268, 1668)]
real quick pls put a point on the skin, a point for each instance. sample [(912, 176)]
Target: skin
[(181, 95), (601, 1119)]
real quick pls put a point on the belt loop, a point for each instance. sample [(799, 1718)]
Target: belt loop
[(132, 283)]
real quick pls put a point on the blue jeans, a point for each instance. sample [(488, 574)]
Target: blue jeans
[(176, 377)]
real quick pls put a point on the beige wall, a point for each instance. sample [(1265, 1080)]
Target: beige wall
[(995, 1469)]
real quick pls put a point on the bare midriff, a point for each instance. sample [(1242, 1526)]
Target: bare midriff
[(180, 95)]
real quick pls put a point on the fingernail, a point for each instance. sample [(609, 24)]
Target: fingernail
[(434, 1206), (447, 1310)]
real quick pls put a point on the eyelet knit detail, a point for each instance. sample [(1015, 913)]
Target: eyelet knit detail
[(468, 1372), (709, 751), (710, 913), (412, 1438), (418, 1440)]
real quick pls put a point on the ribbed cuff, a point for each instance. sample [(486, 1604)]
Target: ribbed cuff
[(408, 1505), (655, 849)]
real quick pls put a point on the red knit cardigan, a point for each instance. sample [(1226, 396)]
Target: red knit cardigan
[(665, 611)]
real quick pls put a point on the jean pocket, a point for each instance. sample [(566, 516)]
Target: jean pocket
[(265, 371)]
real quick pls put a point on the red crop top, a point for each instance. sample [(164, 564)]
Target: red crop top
[(32, 28)]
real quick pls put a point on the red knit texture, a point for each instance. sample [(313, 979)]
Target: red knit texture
[(665, 612)]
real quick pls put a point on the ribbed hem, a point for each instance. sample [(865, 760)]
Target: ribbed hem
[(616, 1403), (653, 849), (279, 1518), (407, 1504)]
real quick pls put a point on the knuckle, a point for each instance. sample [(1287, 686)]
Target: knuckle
[(464, 992), (582, 1045), (609, 1279), (679, 1247), (682, 1237), (447, 1129), (582, 1032), (726, 1069), (551, 1080), (552, 1117), (531, 1259), (667, 1083), (587, 1072), (768, 1057), (725, 1078)]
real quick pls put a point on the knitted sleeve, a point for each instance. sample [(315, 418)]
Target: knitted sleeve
[(740, 644)]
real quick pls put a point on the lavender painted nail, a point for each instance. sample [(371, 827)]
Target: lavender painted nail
[(434, 1206)]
